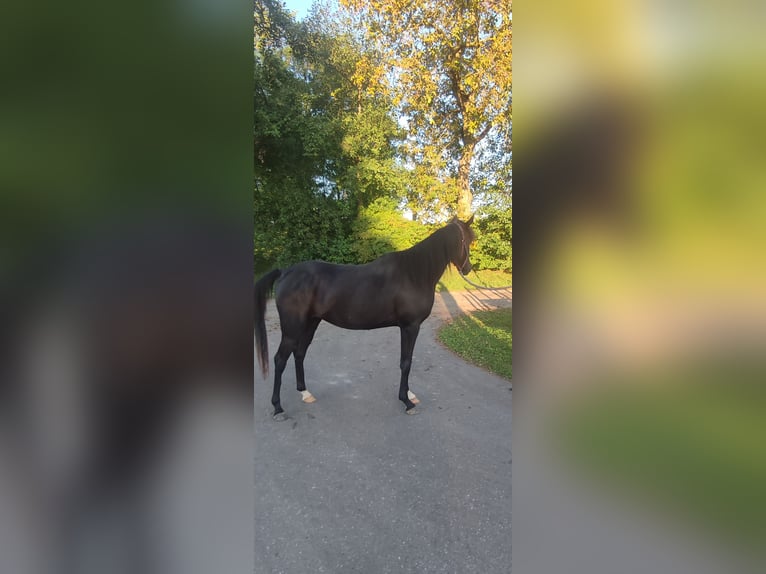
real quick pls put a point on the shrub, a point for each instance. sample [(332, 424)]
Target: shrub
[(381, 228), (494, 248)]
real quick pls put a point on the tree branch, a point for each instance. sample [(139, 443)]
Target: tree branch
[(483, 133)]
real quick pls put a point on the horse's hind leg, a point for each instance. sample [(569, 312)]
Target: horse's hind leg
[(286, 347), (409, 336), (300, 354)]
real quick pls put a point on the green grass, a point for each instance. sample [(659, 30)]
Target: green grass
[(482, 338), (692, 444), (452, 281)]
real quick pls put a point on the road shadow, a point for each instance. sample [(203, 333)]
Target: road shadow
[(457, 303), (450, 303), (488, 300)]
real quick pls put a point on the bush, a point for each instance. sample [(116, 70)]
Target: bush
[(494, 248), (381, 228), (293, 225)]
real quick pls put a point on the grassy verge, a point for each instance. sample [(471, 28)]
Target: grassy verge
[(692, 445), (483, 338), (451, 280)]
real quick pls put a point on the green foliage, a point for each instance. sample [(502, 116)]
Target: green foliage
[(293, 225), (367, 145), (427, 194), (483, 338), (324, 141), (381, 228), (494, 231)]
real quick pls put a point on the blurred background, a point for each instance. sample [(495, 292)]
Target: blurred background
[(640, 315), (125, 287)]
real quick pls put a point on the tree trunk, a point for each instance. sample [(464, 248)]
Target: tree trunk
[(465, 197)]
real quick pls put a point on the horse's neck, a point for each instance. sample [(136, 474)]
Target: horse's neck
[(431, 258)]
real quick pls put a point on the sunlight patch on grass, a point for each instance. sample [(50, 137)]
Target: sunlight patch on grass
[(483, 338)]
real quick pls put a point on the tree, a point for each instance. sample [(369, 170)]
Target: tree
[(451, 73), (323, 137)]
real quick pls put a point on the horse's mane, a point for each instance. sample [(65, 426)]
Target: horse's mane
[(425, 262)]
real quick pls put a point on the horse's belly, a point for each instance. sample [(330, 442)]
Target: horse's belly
[(361, 326), (358, 322)]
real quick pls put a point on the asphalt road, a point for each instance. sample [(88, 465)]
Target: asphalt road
[(351, 483)]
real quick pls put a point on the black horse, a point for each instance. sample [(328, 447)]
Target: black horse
[(397, 289)]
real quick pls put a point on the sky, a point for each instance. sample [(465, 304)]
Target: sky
[(300, 7)]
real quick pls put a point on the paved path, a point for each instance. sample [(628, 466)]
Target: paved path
[(352, 484)]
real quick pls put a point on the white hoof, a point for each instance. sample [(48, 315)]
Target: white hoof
[(307, 397), (413, 398)]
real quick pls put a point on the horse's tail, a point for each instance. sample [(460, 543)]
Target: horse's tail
[(262, 290)]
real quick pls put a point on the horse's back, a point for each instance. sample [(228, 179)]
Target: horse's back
[(350, 296), (308, 276)]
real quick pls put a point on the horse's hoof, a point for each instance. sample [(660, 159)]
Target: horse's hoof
[(280, 416), (413, 398), (413, 411), (307, 397)]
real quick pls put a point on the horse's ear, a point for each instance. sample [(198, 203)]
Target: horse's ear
[(470, 221), (454, 219)]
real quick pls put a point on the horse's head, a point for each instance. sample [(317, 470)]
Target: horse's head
[(461, 257)]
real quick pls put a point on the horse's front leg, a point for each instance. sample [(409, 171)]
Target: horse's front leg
[(409, 336)]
